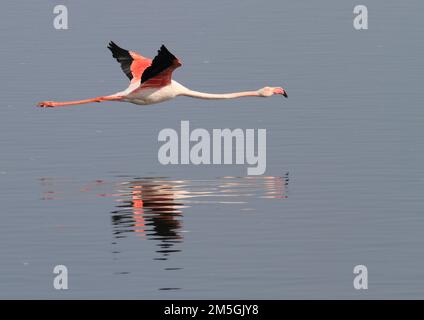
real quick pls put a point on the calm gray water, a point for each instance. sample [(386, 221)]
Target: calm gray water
[(82, 187)]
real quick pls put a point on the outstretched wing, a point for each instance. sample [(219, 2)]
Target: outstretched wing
[(132, 63), (159, 73)]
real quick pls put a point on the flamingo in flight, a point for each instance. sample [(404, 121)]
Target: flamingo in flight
[(151, 81)]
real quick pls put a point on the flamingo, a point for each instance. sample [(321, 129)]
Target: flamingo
[(151, 81)]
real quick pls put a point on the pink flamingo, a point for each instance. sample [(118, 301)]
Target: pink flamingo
[(150, 81)]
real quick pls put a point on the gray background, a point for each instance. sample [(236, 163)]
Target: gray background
[(349, 137)]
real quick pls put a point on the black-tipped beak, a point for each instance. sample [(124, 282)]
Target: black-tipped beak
[(285, 94)]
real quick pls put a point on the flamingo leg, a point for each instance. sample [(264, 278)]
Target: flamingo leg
[(52, 104)]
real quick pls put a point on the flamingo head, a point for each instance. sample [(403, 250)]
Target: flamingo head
[(269, 91)]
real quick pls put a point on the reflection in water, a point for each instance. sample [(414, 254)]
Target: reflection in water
[(152, 208), (152, 211)]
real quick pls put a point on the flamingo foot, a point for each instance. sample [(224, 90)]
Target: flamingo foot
[(47, 104)]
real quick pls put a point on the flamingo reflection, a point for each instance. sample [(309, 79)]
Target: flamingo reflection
[(152, 208), (151, 211)]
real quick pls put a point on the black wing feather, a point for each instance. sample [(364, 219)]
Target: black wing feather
[(124, 58), (163, 60)]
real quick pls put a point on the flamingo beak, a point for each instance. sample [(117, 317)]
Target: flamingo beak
[(281, 91)]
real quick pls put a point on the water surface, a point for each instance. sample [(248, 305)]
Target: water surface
[(82, 186)]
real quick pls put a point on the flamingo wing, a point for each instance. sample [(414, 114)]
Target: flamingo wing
[(132, 63), (159, 73)]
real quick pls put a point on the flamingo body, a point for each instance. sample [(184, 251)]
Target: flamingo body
[(152, 95), (151, 81)]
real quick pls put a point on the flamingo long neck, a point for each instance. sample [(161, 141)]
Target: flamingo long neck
[(210, 96)]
